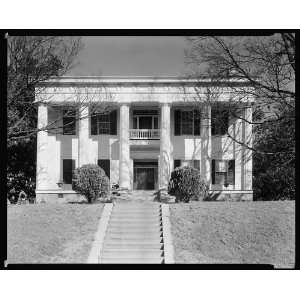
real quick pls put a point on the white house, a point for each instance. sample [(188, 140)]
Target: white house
[(138, 129)]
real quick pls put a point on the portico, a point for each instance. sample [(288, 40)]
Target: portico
[(148, 127)]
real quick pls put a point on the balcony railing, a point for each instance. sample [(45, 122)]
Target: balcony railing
[(144, 134)]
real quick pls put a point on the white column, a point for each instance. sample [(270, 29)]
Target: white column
[(84, 156), (42, 151), (238, 150), (165, 156), (247, 152), (124, 159), (206, 143)]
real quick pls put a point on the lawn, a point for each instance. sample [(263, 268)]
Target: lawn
[(51, 233), (234, 232)]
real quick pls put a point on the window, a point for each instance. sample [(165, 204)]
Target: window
[(105, 165), (104, 123), (223, 172), (68, 168), (187, 122), (69, 122), (219, 121)]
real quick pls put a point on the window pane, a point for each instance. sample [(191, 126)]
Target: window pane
[(187, 128)]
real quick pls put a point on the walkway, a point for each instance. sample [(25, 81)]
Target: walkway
[(134, 234)]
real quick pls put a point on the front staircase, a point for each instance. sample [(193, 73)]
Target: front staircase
[(134, 235)]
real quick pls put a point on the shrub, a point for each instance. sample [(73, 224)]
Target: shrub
[(186, 184), (91, 182)]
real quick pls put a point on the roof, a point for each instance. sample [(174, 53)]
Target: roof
[(131, 80)]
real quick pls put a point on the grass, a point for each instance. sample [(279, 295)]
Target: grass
[(234, 232), (51, 233)]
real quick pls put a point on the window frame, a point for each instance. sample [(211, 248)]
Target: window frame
[(213, 119), (98, 122), (226, 184), (192, 121)]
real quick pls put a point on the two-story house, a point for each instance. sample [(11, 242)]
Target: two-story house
[(138, 129)]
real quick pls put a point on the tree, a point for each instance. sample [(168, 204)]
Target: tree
[(31, 60), (266, 64)]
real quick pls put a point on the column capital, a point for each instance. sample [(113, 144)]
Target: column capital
[(163, 104), (124, 103)]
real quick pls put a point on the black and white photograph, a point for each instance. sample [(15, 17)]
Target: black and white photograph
[(151, 149)]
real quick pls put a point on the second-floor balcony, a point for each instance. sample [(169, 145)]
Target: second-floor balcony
[(144, 134)]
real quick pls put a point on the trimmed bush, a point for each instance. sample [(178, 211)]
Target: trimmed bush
[(91, 182), (186, 184)]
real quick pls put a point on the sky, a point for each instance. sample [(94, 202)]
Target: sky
[(131, 56)]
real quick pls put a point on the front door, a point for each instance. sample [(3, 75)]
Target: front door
[(144, 178)]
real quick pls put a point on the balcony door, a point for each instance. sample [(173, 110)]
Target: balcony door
[(146, 119), (145, 122)]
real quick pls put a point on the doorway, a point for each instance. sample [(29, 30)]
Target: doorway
[(145, 175)]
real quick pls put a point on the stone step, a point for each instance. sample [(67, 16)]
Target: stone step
[(132, 253), (133, 219), (144, 231), (158, 260), (117, 225), (132, 245), (140, 213), (135, 235), (136, 207), (132, 239), (137, 212), (125, 223)]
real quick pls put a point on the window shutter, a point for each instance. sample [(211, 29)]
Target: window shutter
[(177, 163), (213, 163), (231, 172), (177, 122), (113, 122), (94, 124), (196, 122), (73, 168), (225, 121), (105, 165), (213, 122)]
